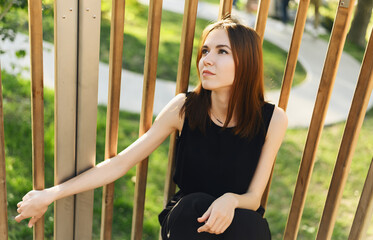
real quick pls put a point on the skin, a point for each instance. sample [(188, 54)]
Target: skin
[(217, 71), (217, 74)]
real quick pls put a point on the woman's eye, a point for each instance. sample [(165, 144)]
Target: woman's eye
[(204, 51), (222, 51)]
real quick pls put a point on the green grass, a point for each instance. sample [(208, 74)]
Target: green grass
[(16, 94)]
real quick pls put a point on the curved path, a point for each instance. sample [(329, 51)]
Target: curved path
[(302, 98)]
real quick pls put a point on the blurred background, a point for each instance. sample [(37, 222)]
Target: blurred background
[(14, 59)]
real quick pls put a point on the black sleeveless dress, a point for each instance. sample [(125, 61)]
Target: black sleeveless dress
[(217, 161)]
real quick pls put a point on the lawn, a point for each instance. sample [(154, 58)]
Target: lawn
[(18, 166)]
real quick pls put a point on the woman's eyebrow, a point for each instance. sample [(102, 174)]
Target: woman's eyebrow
[(217, 46), (222, 45)]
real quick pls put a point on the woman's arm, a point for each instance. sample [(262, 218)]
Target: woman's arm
[(275, 135), (221, 212), (35, 203)]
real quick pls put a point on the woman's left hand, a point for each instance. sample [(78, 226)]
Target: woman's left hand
[(219, 215)]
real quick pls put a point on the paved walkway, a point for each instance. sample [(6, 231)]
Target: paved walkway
[(302, 98)]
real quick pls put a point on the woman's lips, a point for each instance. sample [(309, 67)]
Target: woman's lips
[(207, 73)]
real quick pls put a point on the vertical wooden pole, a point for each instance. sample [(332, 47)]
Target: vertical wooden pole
[(225, 8), (261, 18), (322, 101), (3, 196), (87, 81), (66, 72), (185, 56), (112, 117), (150, 73), (353, 125), (37, 102), (291, 64), (364, 210)]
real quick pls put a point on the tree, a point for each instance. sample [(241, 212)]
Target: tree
[(8, 26), (360, 22)]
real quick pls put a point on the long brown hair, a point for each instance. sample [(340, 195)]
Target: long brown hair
[(247, 92)]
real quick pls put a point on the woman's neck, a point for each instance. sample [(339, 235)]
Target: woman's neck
[(219, 107)]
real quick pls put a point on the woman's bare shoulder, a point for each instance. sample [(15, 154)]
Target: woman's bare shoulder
[(279, 115), (171, 112), (279, 119)]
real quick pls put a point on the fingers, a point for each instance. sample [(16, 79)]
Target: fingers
[(215, 224), (19, 218), (19, 204), (217, 228), (220, 227), (207, 226), (25, 197), (205, 216), (32, 221)]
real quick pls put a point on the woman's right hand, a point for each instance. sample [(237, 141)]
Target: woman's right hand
[(33, 205)]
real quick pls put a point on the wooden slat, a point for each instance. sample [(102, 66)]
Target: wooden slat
[(291, 64), (225, 8), (65, 37), (261, 18), (3, 196), (37, 102), (364, 210), (112, 116), (88, 61), (150, 73), (353, 125), (185, 57), (322, 101)]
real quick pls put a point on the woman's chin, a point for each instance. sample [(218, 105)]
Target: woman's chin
[(207, 85)]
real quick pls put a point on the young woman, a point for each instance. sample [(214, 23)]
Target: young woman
[(229, 137)]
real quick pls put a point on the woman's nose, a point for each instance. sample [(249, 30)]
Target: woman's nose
[(208, 59)]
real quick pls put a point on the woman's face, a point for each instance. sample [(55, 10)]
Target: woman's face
[(216, 66)]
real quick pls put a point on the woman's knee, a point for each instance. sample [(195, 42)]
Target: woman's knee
[(248, 224), (198, 202), (182, 221)]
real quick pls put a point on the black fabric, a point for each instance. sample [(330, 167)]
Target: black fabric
[(218, 161), (214, 163), (181, 222)]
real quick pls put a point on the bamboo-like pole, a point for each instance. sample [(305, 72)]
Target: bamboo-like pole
[(261, 18), (3, 198), (322, 101), (353, 125), (364, 210), (112, 116), (185, 57), (225, 8), (37, 103), (150, 74), (291, 64)]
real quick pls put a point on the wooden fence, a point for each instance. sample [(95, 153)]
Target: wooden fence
[(77, 25)]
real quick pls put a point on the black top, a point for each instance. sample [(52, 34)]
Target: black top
[(218, 161)]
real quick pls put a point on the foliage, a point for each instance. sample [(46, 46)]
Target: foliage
[(9, 23), (16, 95)]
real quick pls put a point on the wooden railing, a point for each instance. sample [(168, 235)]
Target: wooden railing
[(77, 29), (3, 196)]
